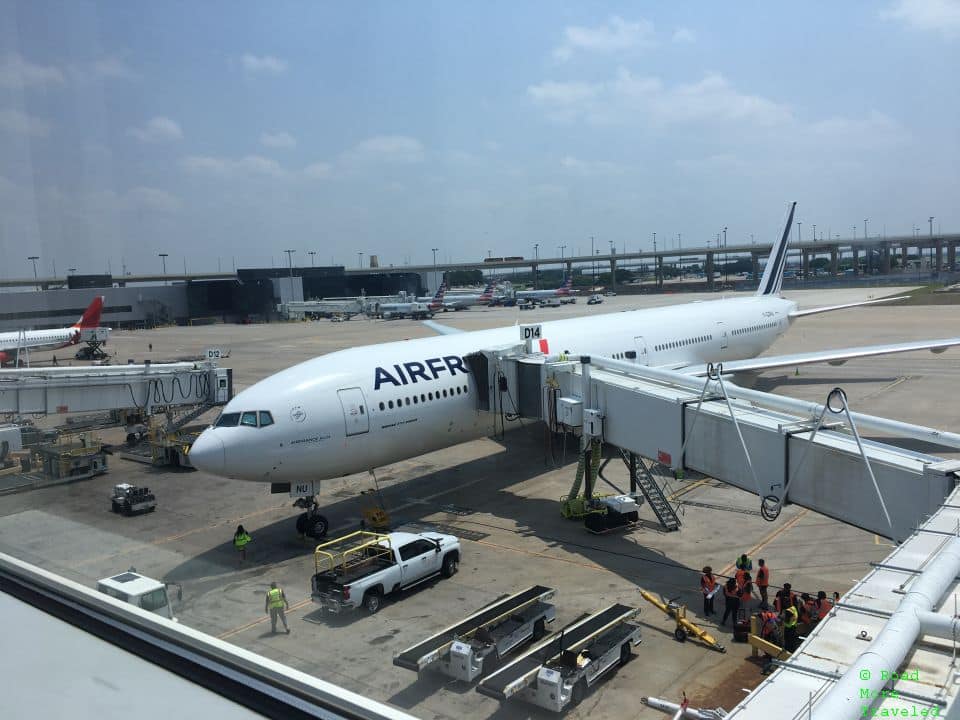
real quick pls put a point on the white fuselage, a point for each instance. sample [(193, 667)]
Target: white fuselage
[(52, 339), (364, 407)]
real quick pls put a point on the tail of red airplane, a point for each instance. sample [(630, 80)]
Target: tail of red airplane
[(487, 295), (567, 285), (91, 316)]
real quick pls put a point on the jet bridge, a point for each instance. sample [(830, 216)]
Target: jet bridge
[(149, 388), (781, 449)]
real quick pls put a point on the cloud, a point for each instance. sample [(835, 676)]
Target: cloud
[(263, 64), (725, 162), (113, 67), (318, 171), (684, 35), (589, 167), (617, 35), (248, 166), (627, 97), (397, 149), (941, 16), (20, 123), (872, 130), (16, 72), (148, 198), (158, 129), (278, 140)]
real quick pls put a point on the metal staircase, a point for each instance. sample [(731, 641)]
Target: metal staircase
[(654, 495)]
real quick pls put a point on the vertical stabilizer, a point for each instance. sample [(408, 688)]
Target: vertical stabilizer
[(91, 316), (773, 274)]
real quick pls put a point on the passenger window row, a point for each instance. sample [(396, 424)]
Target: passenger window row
[(424, 397), (249, 418), (683, 343), (755, 328)]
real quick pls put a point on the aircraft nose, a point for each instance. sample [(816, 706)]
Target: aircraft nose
[(207, 453)]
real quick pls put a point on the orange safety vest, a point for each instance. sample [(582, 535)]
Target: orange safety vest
[(729, 593), (778, 601), (825, 607), (707, 583), (763, 576), (769, 621)]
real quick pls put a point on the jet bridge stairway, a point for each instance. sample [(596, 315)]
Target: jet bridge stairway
[(654, 495)]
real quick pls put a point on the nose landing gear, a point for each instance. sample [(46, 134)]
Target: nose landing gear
[(311, 523)]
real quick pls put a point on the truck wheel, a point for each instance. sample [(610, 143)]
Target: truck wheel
[(450, 565), (114, 506), (539, 629), (579, 691), (372, 602), (625, 653)]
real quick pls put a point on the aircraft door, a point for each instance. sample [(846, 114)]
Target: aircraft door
[(355, 414), (722, 333), (643, 357)]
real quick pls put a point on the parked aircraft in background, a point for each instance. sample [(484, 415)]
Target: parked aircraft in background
[(365, 407), (565, 290), (52, 339), (416, 309)]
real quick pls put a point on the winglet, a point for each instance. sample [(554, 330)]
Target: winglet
[(91, 316), (773, 274), (441, 329)]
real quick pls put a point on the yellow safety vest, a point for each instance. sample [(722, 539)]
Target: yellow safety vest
[(275, 597), (240, 541), (791, 618)]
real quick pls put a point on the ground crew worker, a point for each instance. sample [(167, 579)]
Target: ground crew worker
[(240, 541), (785, 598), (790, 619), (770, 627), (732, 599), (745, 588), (708, 586), (763, 580), (809, 614), (824, 606), (275, 603), (744, 563)]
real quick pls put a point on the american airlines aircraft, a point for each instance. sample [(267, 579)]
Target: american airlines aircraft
[(462, 301), (562, 291), (419, 309), (52, 339), (365, 407)]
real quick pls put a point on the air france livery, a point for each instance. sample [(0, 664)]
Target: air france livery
[(365, 407), (53, 339)]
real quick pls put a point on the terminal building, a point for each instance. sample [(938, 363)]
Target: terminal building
[(252, 296)]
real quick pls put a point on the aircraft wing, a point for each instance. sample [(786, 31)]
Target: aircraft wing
[(833, 357), (441, 329), (831, 308)]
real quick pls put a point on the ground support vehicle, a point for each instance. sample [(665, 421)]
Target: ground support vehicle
[(595, 300), (143, 592), (491, 633), (557, 673), (359, 569), (131, 500)]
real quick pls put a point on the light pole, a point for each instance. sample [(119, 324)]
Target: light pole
[(536, 266), (434, 250), (34, 258), (814, 232), (799, 232), (311, 253), (360, 260), (163, 260), (290, 260), (726, 258), (562, 248), (930, 220)]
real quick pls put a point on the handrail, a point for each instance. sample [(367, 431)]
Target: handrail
[(347, 557)]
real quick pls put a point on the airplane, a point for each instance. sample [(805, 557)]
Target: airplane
[(462, 301), (361, 408), (416, 310), (564, 291), (53, 339)]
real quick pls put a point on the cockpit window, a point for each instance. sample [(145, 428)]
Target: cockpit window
[(228, 420), (265, 418), (249, 418)]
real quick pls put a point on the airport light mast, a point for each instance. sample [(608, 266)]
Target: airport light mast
[(34, 258), (435, 267), (311, 253), (290, 260), (163, 261)]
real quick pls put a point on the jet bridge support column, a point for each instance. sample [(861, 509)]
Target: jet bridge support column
[(633, 474), (834, 261), (708, 270), (586, 439)]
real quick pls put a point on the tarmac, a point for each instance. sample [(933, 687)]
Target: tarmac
[(501, 499)]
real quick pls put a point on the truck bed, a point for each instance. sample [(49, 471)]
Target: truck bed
[(337, 578)]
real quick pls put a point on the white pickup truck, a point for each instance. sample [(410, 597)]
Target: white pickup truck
[(360, 569)]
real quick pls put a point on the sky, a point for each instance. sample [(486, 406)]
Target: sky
[(223, 133)]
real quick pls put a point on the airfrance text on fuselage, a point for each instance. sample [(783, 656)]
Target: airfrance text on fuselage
[(413, 372)]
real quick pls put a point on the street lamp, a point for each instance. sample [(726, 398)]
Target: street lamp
[(311, 253), (360, 260), (536, 266), (814, 232), (726, 258), (799, 232), (34, 258), (435, 267), (562, 248), (163, 259)]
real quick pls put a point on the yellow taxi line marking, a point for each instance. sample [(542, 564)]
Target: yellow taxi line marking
[(769, 539)]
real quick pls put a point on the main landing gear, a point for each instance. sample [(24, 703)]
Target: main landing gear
[(311, 523)]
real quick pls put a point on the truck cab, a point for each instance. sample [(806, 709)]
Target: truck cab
[(140, 591)]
